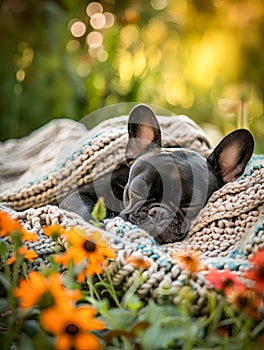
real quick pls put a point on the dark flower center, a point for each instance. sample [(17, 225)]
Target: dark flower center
[(89, 246), (261, 272), (72, 329), (228, 282), (244, 302)]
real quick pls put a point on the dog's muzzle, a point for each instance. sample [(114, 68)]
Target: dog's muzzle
[(160, 222)]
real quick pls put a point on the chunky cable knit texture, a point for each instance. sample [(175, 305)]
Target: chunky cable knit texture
[(40, 169)]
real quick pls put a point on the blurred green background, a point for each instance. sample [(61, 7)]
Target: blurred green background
[(67, 58)]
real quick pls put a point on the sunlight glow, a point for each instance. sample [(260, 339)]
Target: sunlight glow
[(216, 52), (126, 63), (129, 34), (140, 62)]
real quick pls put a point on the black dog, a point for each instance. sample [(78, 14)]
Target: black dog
[(165, 189)]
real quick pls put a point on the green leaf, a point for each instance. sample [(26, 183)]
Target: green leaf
[(4, 305), (120, 319), (25, 342), (168, 328), (3, 248), (4, 341), (134, 303), (5, 281), (99, 211), (31, 327)]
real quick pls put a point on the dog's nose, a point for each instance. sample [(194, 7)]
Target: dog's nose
[(123, 216), (152, 211)]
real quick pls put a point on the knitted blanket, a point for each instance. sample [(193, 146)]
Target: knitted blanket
[(40, 169)]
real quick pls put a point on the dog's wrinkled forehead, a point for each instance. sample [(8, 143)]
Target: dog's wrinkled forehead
[(153, 164), (169, 164)]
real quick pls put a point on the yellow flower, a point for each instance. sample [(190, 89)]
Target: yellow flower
[(86, 246), (71, 326), (27, 254), (189, 260)]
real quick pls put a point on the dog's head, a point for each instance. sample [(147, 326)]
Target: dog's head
[(167, 188)]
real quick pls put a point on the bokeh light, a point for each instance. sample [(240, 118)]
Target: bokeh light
[(102, 55), (158, 4), (192, 57), (78, 29), (83, 69), (94, 39), (98, 21), (73, 45), (93, 8), (109, 19), (20, 75)]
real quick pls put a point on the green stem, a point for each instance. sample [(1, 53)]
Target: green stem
[(112, 289), (92, 289), (132, 289)]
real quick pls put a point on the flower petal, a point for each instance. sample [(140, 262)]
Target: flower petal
[(86, 341), (52, 320), (64, 342)]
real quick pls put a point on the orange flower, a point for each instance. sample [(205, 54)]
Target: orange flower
[(9, 225), (190, 260), (138, 262), (38, 289), (86, 246), (31, 290), (60, 294), (54, 230), (29, 236), (246, 301), (256, 273), (224, 280), (27, 254), (71, 326)]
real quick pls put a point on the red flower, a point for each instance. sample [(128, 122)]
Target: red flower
[(256, 273), (224, 280)]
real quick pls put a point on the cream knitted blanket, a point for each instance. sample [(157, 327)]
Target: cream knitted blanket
[(40, 169)]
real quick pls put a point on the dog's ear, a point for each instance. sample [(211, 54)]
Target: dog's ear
[(143, 131), (230, 157)]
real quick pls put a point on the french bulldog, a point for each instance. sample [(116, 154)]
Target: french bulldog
[(163, 190), (166, 189)]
